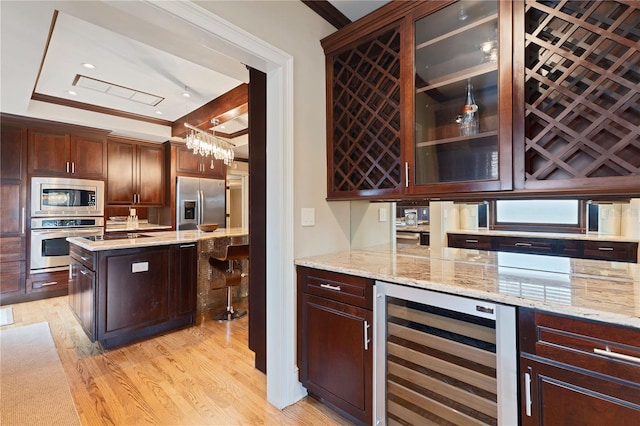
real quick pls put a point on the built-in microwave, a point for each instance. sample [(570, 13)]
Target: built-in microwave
[(66, 197)]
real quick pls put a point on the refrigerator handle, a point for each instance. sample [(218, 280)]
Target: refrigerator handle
[(200, 207)]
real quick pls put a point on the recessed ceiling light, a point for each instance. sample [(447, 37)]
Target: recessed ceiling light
[(71, 92), (88, 66), (186, 93), (159, 112)]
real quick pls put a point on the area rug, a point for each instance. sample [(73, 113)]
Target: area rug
[(6, 316), (33, 386)]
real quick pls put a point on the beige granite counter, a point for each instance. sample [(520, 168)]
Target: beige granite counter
[(143, 225), (591, 236), (593, 289), (156, 239)]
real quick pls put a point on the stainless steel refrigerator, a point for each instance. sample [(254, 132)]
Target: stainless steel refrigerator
[(200, 200)]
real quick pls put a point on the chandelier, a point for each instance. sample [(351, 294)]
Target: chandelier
[(205, 144)]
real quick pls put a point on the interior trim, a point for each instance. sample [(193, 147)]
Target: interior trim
[(328, 12)]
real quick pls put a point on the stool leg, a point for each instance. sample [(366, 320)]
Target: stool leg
[(230, 313)]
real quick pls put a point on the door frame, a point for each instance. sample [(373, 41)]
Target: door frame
[(283, 386)]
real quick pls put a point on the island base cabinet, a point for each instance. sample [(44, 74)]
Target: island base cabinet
[(133, 290), (120, 296), (81, 295)]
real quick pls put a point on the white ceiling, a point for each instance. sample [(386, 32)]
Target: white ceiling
[(356, 9), (131, 46)]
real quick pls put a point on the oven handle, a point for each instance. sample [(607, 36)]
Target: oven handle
[(72, 232)]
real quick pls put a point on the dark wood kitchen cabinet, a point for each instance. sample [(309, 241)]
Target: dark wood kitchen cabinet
[(120, 296), (82, 287), (576, 115), (135, 173), (13, 214), (189, 164), (621, 251), (364, 100), (55, 151), (335, 333), (577, 371), (556, 103), (462, 98)]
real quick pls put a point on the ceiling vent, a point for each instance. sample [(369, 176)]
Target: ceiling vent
[(116, 90)]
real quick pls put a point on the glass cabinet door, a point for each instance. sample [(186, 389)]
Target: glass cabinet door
[(457, 85)]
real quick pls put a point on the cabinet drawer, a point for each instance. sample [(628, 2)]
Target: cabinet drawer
[(607, 250), (12, 248), (480, 242), (571, 248), (526, 245), (349, 289), (12, 276), (82, 255), (603, 348), (49, 282)]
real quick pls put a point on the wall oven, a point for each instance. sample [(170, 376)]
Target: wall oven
[(49, 245), (66, 197)]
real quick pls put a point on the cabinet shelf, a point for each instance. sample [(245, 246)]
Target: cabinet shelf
[(446, 36), (483, 135), (460, 76)]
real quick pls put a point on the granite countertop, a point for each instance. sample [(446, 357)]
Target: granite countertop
[(592, 289), (143, 225), (591, 236), (161, 238), (417, 228)]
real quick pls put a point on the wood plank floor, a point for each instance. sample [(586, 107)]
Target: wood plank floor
[(202, 375)]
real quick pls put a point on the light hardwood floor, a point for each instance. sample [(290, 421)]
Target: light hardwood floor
[(201, 375)]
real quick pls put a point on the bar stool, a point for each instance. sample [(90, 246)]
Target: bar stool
[(232, 278)]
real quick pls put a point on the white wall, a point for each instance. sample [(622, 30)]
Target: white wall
[(294, 28), (366, 227)]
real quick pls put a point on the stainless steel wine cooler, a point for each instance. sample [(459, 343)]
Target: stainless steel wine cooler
[(443, 359)]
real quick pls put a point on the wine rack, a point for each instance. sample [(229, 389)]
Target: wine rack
[(581, 94), (364, 156)]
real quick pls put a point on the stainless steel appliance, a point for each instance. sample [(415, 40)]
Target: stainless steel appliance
[(407, 237), (66, 197), (49, 246), (199, 201), (442, 358)]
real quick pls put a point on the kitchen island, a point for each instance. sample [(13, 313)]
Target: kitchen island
[(125, 288)]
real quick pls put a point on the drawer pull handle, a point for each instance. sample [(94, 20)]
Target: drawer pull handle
[(471, 241), (605, 248), (331, 287), (84, 258), (187, 245), (523, 244), (83, 272), (40, 285), (609, 353)]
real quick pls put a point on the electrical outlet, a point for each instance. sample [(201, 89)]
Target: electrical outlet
[(382, 214)]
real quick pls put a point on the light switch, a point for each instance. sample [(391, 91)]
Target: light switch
[(382, 214), (308, 217)]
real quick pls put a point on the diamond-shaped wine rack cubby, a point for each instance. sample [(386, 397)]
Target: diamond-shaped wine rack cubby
[(366, 116), (582, 91)]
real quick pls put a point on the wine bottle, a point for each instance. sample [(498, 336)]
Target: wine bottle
[(469, 120)]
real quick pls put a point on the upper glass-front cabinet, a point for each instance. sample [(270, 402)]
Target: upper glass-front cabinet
[(458, 99)]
